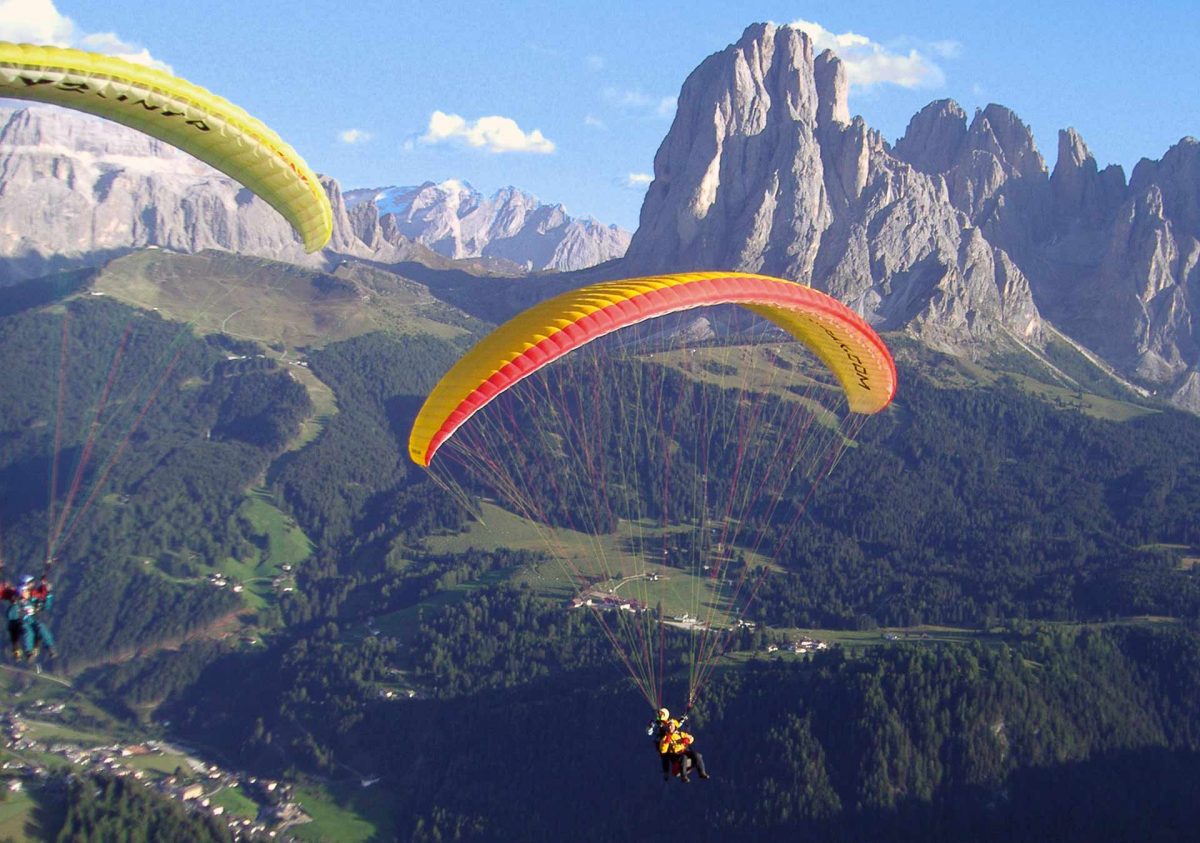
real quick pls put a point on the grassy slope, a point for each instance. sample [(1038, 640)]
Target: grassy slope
[(15, 816), (283, 308), (577, 556), (275, 303), (285, 543), (1092, 392), (344, 813)]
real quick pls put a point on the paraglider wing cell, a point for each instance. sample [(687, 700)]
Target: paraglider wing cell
[(838, 336)]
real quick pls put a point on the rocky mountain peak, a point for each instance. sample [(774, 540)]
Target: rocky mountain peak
[(934, 138), (763, 170), (833, 89), (958, 234), (1081, 194), (1177, 176), (742, 158), (454, 219), (1073, 153), (938, 140), (999, 132), (78, 190)]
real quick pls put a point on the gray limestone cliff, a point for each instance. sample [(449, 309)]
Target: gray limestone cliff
[(764, 170), (457, 221), (76, 190), (958, 233)]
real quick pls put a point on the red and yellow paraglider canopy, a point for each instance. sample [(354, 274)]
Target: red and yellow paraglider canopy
[(840, 337), (667, 473)]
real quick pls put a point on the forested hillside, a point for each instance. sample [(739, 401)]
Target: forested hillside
[(965, 505), (968, 505), (962, 504), (148, 441), (110, 808), (1033, 527), (353, 484), (908, 742)]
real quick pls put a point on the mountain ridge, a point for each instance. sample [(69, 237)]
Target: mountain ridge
[(958, 233), (79, 191), (458, 221)]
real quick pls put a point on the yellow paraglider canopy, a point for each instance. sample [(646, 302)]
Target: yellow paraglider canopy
[(179, 113), (846, 344)]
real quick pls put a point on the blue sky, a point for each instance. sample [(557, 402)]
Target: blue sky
[(569, 100)]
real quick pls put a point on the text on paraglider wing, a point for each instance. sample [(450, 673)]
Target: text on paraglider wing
[(860, 370), (84, 88), (125, 99)]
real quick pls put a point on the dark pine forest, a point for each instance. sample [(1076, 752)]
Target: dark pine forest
[(1040, 531)]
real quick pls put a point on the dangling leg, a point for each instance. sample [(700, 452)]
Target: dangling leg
[(27, 640), (44, 636), (16, 632)]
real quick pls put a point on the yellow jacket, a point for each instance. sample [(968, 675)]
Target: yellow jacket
[(675, 740)]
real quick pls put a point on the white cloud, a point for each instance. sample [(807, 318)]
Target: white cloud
[(869, 63), (594, 122), (354, 136), (35, 22), (109, 44), (638, 181), (40, 22), (637, 101), (947, 49), (492, 133)]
